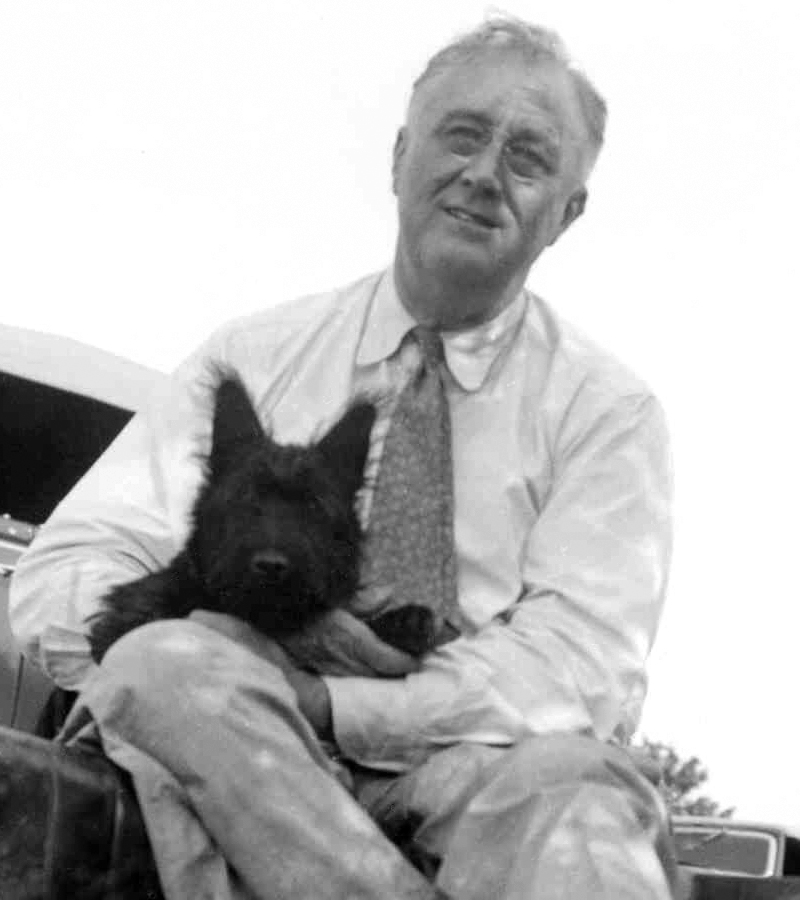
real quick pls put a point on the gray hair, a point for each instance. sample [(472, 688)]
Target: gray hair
[(534, 44)]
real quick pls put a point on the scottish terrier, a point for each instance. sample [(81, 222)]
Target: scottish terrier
[(275, 538)]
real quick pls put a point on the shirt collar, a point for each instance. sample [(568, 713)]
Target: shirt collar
[(469, 353)]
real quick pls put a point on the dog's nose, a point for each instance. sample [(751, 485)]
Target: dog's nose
[(271, 564)]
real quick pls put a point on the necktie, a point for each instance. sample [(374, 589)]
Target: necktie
[(409, 556)]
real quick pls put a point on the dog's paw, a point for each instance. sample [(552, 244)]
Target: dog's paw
[(410, 628)]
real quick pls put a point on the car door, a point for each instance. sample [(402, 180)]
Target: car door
[(62, 402)]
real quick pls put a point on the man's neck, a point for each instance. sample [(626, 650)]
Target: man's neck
[(452, 304)]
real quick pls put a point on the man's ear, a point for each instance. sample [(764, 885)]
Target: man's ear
[(573, 210), (397, 154)]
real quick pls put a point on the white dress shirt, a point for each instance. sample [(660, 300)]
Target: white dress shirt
[(562, 529)]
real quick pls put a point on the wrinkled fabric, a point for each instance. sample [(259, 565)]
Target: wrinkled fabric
[(241, 802), (558, 816), (562, 532), (239, 798)]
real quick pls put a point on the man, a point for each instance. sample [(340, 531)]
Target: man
[(491, 760)]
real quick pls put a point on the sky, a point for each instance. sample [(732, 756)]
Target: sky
[(165, 166)]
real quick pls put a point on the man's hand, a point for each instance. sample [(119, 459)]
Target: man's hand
[(337, 644), (341, 644)]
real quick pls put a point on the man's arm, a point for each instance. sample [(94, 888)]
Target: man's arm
[(126, 517), (570, 654)]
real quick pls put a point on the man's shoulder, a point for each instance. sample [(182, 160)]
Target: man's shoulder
[(292, 319), (308, 311), (574, 359), (272, 342)]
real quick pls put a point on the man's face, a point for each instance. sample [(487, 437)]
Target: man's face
[(487, 172)]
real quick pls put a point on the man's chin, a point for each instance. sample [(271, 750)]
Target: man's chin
[(462, 265), (476, 268)]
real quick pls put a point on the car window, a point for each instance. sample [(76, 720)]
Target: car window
[(746, 852)]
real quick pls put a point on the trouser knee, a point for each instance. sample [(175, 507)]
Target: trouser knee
[(555, 770), (182, 662)]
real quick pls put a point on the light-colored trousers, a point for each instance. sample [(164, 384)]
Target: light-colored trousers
[(241, 801)]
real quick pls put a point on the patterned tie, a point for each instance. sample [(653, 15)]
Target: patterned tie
[(409, 553)]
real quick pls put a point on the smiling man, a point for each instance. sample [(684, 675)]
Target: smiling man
[(303, 770)]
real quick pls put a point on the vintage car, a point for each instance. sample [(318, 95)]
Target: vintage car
[(69, 824)]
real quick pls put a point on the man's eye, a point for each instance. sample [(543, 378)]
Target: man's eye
[(464, 141), (525, 161)]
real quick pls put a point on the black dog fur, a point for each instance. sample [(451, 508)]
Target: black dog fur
[(275, 539)]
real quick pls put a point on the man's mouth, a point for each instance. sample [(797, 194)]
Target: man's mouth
[(473, 218)]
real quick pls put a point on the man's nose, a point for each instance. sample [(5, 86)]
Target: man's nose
[(483, 169)]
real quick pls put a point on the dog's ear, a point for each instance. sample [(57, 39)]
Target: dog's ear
[(346, 445), (235, 423)]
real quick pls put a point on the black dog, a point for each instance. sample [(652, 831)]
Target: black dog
[(275, 538)]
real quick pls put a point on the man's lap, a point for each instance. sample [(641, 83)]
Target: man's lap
[(208, 711), (214, 742)]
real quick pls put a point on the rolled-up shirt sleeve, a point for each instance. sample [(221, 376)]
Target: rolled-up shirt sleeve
[(570, 654), (127, 516)]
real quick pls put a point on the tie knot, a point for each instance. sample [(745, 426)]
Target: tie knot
[(430, 345)]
